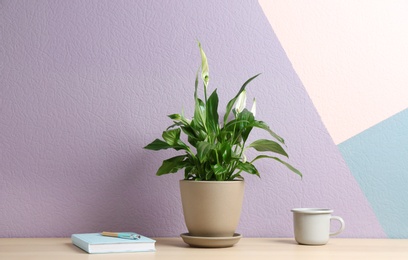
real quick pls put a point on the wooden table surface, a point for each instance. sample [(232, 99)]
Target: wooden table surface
[(246, 248)]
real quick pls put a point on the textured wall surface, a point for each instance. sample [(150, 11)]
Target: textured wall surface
[(86, 84), (377, 158), (352, 58)]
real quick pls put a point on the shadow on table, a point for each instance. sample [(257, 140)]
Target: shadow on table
[(173, 242), (285, 241)]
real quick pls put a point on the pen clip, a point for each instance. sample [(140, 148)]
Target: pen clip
[(124, 235), (129, 236)]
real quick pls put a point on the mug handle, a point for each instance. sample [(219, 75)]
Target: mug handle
[(342, 225)]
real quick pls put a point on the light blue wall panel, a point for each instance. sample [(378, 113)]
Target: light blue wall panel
[(378, 158)]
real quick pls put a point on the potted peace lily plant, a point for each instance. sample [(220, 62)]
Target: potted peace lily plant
[(213, 158)]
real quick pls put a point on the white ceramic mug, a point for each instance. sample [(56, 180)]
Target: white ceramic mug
[(312, 225)]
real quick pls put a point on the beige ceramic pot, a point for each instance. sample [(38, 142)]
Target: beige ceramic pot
[(212, 208)]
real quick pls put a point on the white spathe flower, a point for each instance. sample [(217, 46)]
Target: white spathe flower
[(243, 158), (253, 109), (241, 102), (204, 67)]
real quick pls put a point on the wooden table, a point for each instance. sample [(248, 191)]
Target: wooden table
[(247, 248)]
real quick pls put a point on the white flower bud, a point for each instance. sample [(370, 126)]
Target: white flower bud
[(253, 109), (241, 102)]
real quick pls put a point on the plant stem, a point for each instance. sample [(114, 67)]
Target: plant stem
[(205, 94)]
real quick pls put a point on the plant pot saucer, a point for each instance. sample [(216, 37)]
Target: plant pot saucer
[(211, 242)]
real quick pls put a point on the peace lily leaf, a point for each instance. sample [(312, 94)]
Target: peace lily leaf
[(247, 118), (235, 176), (192, 140), (171, 136), (189, 131), (199, 113), (219, 171), (176, 117), (264, 126), (264, 145), (293, 169), (202, 135), (196, 87), (187, 172), (172, 165), (179, 120), (226, 153), (157, 145), (231, 125), (248, 167), (203, 149), (243, 157), (212, 113), (208, 175), (174, 125)]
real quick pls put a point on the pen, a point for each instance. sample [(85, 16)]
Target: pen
[(133, 236)]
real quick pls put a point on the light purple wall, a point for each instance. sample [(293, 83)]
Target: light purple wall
[(86, 84)]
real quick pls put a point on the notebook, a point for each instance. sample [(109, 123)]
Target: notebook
[(95, 243)]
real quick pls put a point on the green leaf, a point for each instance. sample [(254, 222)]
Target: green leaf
[(202, 135), (264, 126), (193, 141), (203, 150), (198, 128), (219, 172), (235, 176), (212, 113), (196, 87), (176, 117), (174, 125), (290, 167), (187, 172), (264, 145), (172, 165), (248, 167), (246, 126), (157, 145), (209, 174), (232, 101), (188, 130), (226, 152), (172, 137), (199, 114)]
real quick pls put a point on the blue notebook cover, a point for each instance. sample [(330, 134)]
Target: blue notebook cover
[(95, 243)]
